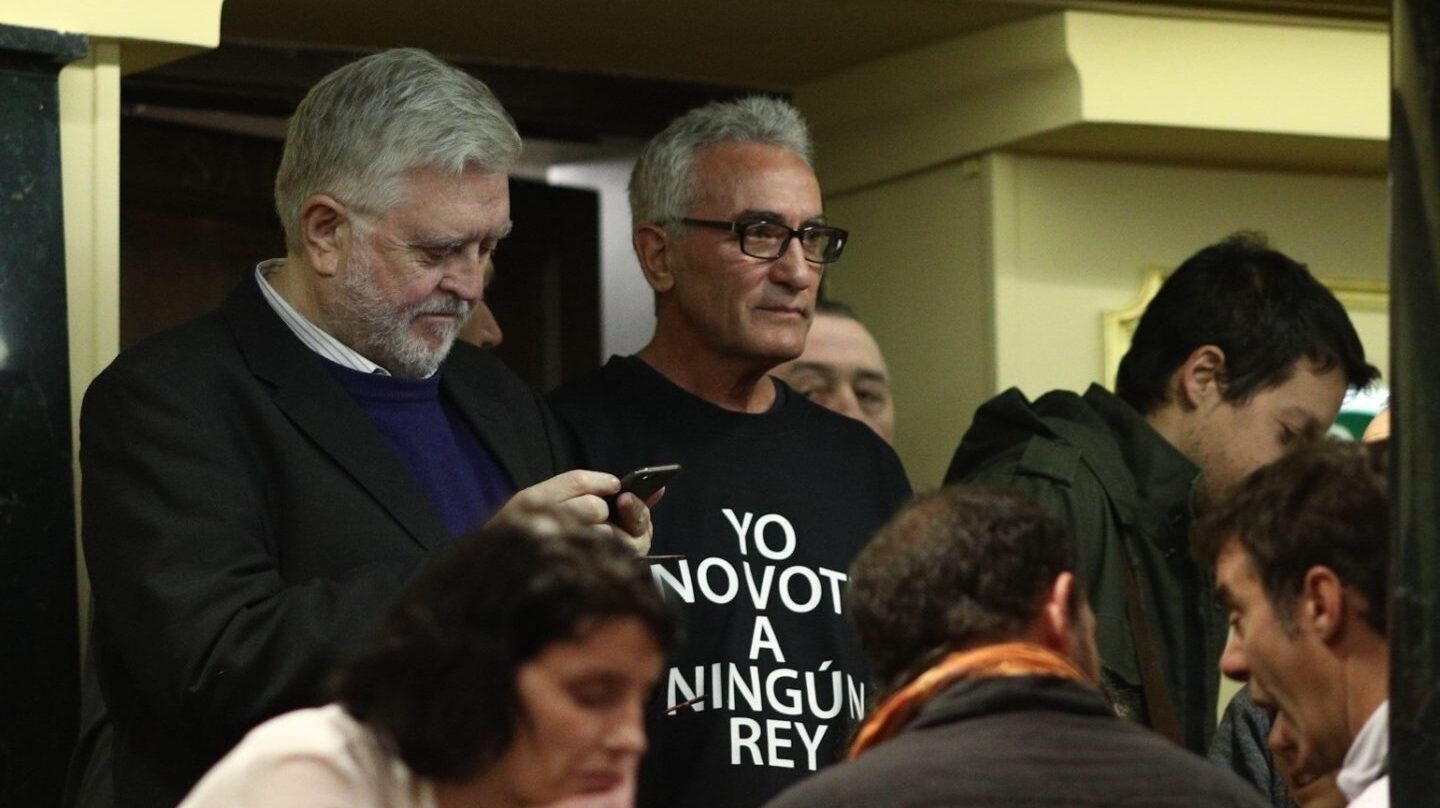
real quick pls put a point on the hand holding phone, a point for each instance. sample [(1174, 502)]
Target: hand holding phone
[(643, 483)]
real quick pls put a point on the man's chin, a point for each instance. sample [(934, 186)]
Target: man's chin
[(418, 364), (1317, 792), (782, 348)]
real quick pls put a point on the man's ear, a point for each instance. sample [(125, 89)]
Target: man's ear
[(1201, 379), (1055, 629), (324, 232), (1322, 606), (653, 248)]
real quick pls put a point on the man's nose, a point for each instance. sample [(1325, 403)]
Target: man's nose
[(792, 269), (1232, 661), (841, 399), (628, 734), (465, 275)]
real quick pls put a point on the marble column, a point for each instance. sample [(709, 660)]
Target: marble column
[(1415, 354), (38, 643)]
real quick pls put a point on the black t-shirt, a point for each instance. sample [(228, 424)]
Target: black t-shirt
[(768, 512)]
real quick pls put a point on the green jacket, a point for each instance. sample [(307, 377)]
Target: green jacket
[(1124, 491)]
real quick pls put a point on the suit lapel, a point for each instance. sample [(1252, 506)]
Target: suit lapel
[(494, 425), (320, 408)]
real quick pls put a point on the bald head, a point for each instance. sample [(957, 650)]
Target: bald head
[(843, 370)]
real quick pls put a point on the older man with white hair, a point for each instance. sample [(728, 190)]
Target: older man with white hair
[(261, 482), (777, 494)]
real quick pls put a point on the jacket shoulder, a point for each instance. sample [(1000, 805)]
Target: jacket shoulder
[(1013, 436), (187, 357), (483, 364)]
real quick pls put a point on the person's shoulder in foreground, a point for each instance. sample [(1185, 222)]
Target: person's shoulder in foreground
[(1052, 744), (983, 652), (319, 757), (454, 703)]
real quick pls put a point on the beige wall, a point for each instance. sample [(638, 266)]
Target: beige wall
[(1073, 238), (122, 37), (917, 273)]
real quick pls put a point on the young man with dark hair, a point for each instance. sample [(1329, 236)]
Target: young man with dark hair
[(1241, 352), (1301, 556), (980, 637)]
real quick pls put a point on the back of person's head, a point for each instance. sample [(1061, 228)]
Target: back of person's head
[(1260, 307), (438, 681), (363, 126), (662, 185), (1323, 505), (954, 568)]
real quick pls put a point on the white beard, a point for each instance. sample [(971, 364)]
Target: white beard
[(372, 326)]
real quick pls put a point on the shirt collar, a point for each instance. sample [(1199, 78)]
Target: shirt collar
[(1367, 759), (1162, 473), (313, 336)]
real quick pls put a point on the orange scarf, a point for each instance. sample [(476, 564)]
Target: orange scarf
[(1006, 659)]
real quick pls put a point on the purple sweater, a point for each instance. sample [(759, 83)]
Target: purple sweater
[(453, 468)]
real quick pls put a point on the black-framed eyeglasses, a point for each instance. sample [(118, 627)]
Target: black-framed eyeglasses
[(821, 244)]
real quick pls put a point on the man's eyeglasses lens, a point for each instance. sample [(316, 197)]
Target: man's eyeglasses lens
[(820, 244)]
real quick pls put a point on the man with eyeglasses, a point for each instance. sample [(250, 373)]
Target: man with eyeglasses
[(776, 494), (260, 483)]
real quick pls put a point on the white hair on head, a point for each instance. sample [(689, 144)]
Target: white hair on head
[(365, 125), (662, 186)]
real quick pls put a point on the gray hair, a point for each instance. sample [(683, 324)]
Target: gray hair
[(369, 122), (662, 186)]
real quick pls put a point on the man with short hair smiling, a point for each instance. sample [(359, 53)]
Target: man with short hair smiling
[(261, 482), (843, 370), (776, 494), (1240, 353), (1301, 559)]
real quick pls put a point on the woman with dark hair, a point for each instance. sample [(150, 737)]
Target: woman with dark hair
[(512, 672)]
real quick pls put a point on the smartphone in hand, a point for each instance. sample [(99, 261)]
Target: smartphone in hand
[(643, 483)]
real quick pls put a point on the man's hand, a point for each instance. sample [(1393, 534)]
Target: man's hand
[(581, 494)]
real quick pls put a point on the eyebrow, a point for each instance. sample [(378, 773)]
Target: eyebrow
[(451, 241), (770, 215), (816, 367), (872, 376)]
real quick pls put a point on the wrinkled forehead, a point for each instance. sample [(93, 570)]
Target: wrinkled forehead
[(732, 178)]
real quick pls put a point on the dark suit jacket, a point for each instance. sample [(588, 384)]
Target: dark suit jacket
[(245, 524)]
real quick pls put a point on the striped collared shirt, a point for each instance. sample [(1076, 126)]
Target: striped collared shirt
[(314, 337)]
